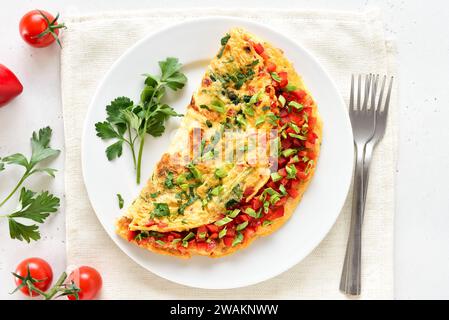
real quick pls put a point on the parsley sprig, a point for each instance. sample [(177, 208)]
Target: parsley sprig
[(33, 206), (129, 123)]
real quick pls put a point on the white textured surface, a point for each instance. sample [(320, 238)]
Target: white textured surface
[(344, 43), (421, 223)]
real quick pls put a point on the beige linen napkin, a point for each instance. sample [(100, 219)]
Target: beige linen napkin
[(344, 43)]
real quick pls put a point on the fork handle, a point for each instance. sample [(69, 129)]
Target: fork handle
[(350, 282)]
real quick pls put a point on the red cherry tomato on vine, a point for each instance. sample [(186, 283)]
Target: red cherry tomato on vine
[(39, 28), (10, 86), (39, 270), (88, 280)]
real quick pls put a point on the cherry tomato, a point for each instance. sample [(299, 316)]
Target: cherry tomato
[(39, 270), (39, 28), (10, 86), (88, 280)]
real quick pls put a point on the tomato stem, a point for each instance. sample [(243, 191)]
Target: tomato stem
[(51, 26), (56, 288)]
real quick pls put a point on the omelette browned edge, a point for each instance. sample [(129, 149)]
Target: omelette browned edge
[(300, 134)]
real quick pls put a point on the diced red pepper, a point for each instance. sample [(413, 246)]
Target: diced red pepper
[(228, 241), (162, 225), (309, 145), (213, 235), (282, 172), (248, 232), (150, 223), (248, 191), (282, 162), (230, 232), (311, 122), (271, 67), (284, 79), (201, 246), (256, 203), (132, 234), (292, 192), (259, 48), (299, 95), (212, 228), (276, 212)]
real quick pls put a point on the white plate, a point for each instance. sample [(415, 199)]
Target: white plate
[(194, 43)]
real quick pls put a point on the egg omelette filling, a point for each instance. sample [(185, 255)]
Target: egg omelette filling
[(240, 162)]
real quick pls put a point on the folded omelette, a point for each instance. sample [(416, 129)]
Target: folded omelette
[(240, 162)]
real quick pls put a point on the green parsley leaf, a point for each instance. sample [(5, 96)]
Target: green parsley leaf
[(160, 210), (169, 180), (171, 75), (33, 207)]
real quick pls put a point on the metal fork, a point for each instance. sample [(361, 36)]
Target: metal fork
[(368, 125)]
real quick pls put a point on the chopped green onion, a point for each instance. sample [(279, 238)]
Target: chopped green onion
[(234, 213), (194, 171), (120, 200), (294, 159), (222, 233), (296, 105), (275, 176), (267, 223), (260, 120), (221, 172), (249, 111), (217, 190), (189, 236), (294, 127), (160, 242), (218, 106), (276, 77), (251, 212), (282, 190), (223, 221), (290, 88), (288, 152), (241, 226), (297, 136), (291, 171), (238, 239), (202, 235), (281, 100), (254, 99)]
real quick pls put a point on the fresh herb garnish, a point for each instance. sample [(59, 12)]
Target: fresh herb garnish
[(33, 206), (223, 42), (120, 200), (160, 210), (129, 123), (169, 180)]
